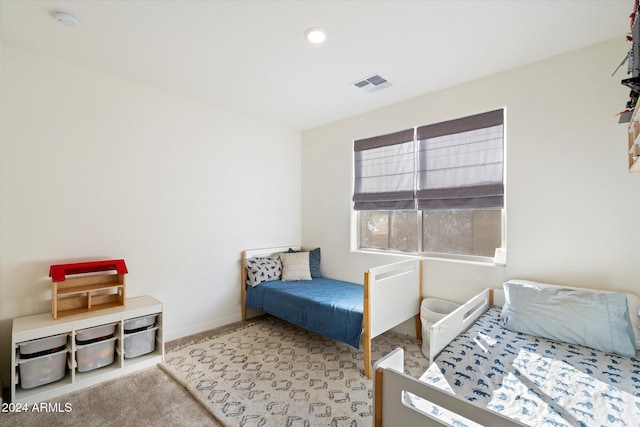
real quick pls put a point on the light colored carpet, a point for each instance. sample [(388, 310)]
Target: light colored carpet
[(146, 398), (271, 373)]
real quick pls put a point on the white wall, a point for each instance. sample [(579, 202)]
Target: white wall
[(573, 209), (95, 167)]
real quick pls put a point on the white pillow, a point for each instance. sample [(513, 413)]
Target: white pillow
[(295, 266), (632, 300)]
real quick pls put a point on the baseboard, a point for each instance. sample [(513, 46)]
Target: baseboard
[(407, 327), (201, 327)]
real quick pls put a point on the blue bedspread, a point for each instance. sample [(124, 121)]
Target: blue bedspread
[(328, 307)]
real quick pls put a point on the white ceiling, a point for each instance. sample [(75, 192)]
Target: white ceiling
[(251, 57)]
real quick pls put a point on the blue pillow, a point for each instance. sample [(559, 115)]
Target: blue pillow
[(597, 320), (314, 262)]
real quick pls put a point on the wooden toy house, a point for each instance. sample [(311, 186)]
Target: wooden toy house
[(88, 290)]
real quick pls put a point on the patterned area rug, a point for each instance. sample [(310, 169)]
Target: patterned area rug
[(271, 373)]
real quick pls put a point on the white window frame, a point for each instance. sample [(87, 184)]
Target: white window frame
[(499, 257)]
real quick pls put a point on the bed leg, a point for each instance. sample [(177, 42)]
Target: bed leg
[(377, 406), (367, 357), (366, 334), (418, 319), (243, 286)]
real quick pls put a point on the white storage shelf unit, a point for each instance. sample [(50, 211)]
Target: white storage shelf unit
[(43, 325)]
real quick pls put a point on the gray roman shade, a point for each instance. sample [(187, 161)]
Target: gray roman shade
[(460, 163), (384, 169)]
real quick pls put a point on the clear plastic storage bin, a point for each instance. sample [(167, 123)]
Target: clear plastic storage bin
[(48, 344), (95, 355), (96, 333), (139, 343), (40, 370), (139, 323)]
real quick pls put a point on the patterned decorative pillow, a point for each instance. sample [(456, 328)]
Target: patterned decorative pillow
[(295, 266), (261, 270)]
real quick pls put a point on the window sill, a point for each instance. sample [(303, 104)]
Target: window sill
[(474, 260)]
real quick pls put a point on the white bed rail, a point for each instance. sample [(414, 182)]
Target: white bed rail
[(394, 294), (446, 329), (401, 400)]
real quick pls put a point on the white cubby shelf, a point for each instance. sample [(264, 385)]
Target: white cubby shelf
[(43, 325)]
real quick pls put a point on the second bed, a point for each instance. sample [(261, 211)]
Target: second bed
[(348, 312)]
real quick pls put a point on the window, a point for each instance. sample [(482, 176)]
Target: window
[(389, 230), (435, 189), (474, 232)]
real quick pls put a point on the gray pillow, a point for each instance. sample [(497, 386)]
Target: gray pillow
[(597, 320)]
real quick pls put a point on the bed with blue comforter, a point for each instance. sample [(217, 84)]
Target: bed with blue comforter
[(286, 282), (328, 307)]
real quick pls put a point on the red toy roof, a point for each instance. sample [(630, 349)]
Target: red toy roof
[(59, 272)]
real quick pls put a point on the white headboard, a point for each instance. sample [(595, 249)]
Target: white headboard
[(252, 253), (498, 297)]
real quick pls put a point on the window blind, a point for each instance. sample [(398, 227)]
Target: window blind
[(457, 164), (460, 163), (384, 172)]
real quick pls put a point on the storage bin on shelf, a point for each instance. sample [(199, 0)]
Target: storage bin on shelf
[(137, 323), (83, 336), (29, 349), (95, 355), (139, 336), (42, 370), (431, 311), (42, 361), (95, 347)]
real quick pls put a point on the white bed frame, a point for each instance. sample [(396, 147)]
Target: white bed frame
[(391, 406), (392, 295), (446, 329)]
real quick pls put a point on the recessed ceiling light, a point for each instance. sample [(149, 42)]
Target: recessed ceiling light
[(66, 18), (315, 35)]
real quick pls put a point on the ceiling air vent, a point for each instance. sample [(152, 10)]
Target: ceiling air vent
[(372, 84)]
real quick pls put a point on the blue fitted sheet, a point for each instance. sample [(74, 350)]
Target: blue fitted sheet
[(328, 307)]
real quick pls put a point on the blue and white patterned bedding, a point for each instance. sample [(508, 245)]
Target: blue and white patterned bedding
[(536, 381)]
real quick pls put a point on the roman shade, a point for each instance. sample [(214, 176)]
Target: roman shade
[(457, 164), (384, 172), (460, 163)]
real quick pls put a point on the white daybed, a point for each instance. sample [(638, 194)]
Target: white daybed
[(348, 312)]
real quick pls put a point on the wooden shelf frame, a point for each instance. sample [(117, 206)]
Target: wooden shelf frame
[(634, 140)]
